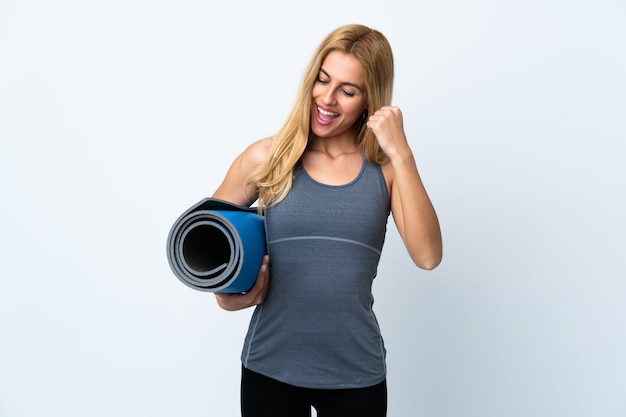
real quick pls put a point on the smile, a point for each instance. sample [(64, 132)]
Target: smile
[(326, 117), (327, 113)]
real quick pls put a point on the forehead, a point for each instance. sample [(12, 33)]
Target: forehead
[(344, 68)]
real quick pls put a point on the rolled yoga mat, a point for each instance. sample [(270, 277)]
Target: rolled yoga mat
[(217, 246)]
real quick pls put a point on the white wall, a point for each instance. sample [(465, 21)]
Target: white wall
[(116, 116)]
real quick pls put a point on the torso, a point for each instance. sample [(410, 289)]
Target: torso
[(316, 327)]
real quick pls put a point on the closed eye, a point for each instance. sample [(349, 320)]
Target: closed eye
[(324, 78)]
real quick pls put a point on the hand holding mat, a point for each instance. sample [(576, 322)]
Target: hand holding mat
[(217, 246)]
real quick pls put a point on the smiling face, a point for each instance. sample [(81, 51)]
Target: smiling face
[(339, 96)]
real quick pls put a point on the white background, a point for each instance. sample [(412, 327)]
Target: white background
[(116, 116)]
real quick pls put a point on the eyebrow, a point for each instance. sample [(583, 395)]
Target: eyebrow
[(358, 87)]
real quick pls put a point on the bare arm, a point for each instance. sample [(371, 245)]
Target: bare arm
[(412, 209), (233, 189)]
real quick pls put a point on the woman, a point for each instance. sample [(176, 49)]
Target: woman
[(326, 184)]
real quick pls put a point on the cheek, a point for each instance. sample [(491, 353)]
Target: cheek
[(355, 110), (316, 90)]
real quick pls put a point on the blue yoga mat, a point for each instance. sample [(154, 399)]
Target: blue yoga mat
[(217, 246)]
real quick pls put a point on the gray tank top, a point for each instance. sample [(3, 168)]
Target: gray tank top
[(316, 328)]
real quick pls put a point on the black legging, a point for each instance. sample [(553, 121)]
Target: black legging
[(266, 397)]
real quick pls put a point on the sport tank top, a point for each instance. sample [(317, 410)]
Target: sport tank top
[(316, 327)]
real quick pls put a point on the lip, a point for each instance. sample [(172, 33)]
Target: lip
[(324, 120)]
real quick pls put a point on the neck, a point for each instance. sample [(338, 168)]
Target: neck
[(334, 146)]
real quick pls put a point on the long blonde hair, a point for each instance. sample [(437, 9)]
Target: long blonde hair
[(273, 178)]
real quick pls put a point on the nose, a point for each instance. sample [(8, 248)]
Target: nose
[(328, 96)]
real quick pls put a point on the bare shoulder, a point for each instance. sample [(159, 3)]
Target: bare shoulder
[(234, 188), (256, 153)]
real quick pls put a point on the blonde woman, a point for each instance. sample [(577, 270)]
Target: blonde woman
[(326, 183)]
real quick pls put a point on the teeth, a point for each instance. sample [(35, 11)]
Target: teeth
[(327, 113)]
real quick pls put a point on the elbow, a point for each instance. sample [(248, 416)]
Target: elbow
[(429, 261), (428, 265), (425, 251)]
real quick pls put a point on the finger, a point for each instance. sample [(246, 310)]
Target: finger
[(261, 285), (263, 271), (264, 274), (254, 296)]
